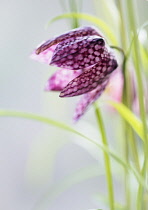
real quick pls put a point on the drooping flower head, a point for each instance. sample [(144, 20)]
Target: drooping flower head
[(86, 63)]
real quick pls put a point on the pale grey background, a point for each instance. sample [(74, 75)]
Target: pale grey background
[(27, 148)]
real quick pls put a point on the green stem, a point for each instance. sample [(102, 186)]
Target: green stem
[(132, 20), (126, 174), (129, 141), (141, 189), (74, 9), (123, 38), (138, 70), (106, 158)]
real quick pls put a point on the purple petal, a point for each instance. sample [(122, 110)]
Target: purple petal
[(87, 99), (45, 56), (89, 79), (79, 53), (60, 79), (79, 32)]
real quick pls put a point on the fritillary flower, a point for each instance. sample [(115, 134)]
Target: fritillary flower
[(86, 63)]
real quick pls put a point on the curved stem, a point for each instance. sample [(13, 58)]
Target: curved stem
[(48, 121), (106, 158), (119, 49)]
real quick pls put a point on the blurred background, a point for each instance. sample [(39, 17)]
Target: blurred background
[(42, 167)]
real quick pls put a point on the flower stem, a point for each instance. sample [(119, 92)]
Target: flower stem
[(137, 62), (138, 70), (73, 8), (128, 133), (106, 158)]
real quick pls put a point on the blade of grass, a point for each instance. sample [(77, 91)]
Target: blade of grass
[(133, 121), (48, 121), (131, 5), (74, 9), (93, 19), (107, 162)]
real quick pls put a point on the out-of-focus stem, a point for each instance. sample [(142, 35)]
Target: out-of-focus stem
[(73, 8), (125, 101), (137, 69), (106, 158), (132, 20)]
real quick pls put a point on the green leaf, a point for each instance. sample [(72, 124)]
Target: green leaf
[(6, 113), (93, 19), (143, 53), (144, 57), (60, 125), (127, 114)]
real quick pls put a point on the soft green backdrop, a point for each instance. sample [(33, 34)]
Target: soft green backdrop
[(28, 166)]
